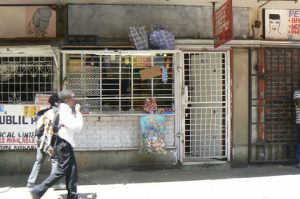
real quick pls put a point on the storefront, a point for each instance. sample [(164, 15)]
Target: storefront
[(273, 82), (191, 90), (112, 88)]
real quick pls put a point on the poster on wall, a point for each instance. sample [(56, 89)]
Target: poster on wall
[(282, 24), (17, 126), (152, 134), (27, 21), (40, 22)]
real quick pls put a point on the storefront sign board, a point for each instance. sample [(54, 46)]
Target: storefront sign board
[(223, 24)]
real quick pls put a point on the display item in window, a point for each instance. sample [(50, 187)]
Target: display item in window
[(152, 137), (150, 105), (164, 74), (106, 61)]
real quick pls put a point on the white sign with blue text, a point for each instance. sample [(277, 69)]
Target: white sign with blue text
[(17, 127)]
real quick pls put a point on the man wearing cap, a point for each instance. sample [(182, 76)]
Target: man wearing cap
[(63, 143), (297, 104)]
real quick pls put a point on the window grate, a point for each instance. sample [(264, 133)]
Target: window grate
[(21, 78), (111, 82)]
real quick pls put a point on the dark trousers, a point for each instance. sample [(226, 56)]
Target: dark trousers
[(67, 166), (298, 143)]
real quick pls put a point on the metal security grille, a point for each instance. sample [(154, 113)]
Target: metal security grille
[(273, 130), (21, 78), (107, 81), (206, 114)]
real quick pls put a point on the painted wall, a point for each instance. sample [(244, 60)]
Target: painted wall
[(27, 21), (112, 21)]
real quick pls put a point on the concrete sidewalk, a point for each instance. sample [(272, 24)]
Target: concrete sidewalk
[(214, 181)]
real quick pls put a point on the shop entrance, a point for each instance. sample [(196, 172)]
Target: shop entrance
[(272, 124), (206, 114)]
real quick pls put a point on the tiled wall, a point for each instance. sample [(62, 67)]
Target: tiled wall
[(116, 132)]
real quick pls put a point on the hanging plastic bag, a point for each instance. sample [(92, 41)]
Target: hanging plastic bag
[(138, 37), (161, 39)]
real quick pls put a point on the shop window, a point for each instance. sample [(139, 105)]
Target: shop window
[(112, 82), (21, 78)]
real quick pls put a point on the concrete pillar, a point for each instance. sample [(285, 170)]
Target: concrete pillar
[(240, 129)]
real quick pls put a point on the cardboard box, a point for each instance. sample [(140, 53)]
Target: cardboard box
[(150, 72)]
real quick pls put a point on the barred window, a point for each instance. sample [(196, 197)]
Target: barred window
[(111, 82), (21, 78)]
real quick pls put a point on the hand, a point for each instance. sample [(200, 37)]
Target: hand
[(77, 108), (51, 152)]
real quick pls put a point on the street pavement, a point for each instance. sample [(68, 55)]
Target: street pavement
[(213, 181)]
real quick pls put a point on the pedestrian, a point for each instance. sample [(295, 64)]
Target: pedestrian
[(297, 105), (62, 146), (41, 137)]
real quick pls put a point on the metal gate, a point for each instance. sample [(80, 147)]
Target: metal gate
[(206, 117), (272, 119)]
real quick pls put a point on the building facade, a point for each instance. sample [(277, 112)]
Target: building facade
[(227, 104)]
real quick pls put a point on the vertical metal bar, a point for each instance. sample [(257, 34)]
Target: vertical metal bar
[(209, 70), (177, 81), (229, 83), (270, 79), (120, 82), (100, 82), (64, 69), (261, 90), (152, 81), (27, 67), (132, 91), (190, 85)]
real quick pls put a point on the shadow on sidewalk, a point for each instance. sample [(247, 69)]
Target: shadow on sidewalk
[(146, 175), (81, 196)]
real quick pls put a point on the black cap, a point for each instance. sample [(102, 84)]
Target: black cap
[(53, 99)]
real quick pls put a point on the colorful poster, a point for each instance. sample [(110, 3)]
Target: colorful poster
[(42, 99), (17, 127), (142, 62), (40, 22), (152, 134), (282, 24)]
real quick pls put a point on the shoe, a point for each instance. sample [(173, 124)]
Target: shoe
[(59, 186), (34, 195), (72, 196), (30, 185)]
